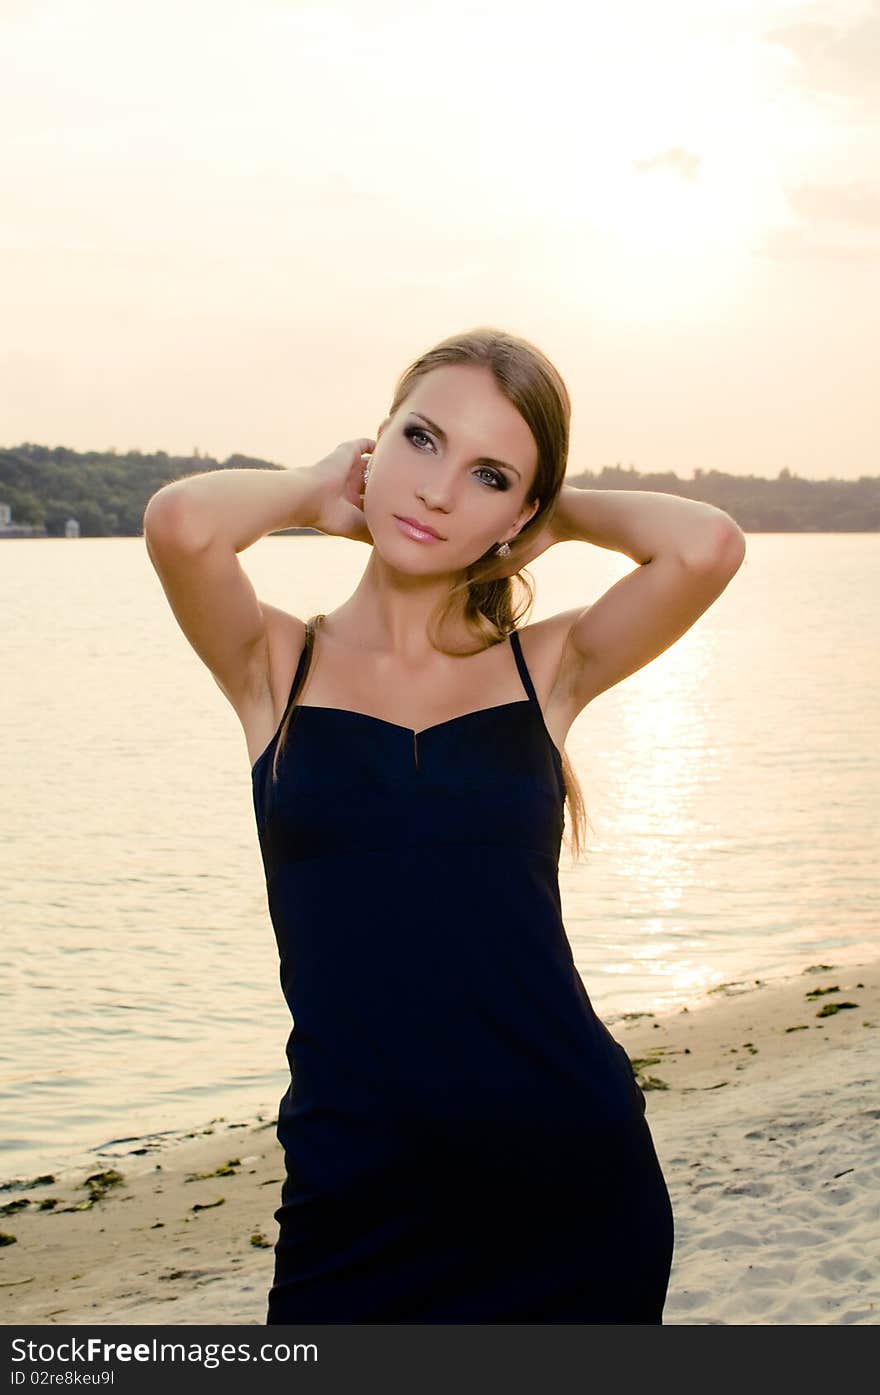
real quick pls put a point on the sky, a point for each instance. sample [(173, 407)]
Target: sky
[(229, 225)]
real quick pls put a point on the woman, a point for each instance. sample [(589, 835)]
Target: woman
[(464, 1139)]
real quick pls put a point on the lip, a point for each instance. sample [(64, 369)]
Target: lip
[(420, 532)]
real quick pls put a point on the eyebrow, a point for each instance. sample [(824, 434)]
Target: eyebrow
[(484, 459)]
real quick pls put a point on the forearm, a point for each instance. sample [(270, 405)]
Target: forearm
[(238, 506), (642, 524)]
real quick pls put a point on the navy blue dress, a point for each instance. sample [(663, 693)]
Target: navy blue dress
[(464, 1140)]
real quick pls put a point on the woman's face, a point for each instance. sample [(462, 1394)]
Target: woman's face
[(457, 457)]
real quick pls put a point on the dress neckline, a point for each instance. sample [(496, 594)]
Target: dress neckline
[(531, 700), (410, 731)]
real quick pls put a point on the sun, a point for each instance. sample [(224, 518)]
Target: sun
[(672, 203), (665, 234)]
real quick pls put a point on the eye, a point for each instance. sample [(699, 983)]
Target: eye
[(499, 481), (496, 479), (412, 431)]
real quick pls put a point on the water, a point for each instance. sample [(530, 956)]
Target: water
[(731, 787)]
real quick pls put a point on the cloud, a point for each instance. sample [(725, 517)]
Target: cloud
[(855, 204), (835, 65), (837, 223), (835, 61), (797, 243), (682, 162)]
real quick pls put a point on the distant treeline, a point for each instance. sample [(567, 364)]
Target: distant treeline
[(107, 492)]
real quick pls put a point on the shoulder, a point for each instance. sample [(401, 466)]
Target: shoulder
[(544, 650)]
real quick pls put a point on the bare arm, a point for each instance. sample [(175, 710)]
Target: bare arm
[(233, 507), (643, 525), (688, 552), (193, 529), (638, 523)]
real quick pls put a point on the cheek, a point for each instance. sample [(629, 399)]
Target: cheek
[(386, 479)]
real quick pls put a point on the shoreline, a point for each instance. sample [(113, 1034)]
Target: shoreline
[(767, 1139), (136, 1159)]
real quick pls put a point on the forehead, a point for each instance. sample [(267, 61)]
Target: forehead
[(466, 401)]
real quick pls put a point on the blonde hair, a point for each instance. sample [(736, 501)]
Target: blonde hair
[(485, 600)]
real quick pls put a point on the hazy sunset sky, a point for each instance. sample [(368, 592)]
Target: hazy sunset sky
[(230, 224)]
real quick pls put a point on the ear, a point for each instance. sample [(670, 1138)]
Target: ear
[(527, 516)]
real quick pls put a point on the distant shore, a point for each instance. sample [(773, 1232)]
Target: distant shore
[(763, 1110), (106, 492)]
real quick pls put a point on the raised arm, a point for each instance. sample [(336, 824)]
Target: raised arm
[(193, 529), (688, 551)]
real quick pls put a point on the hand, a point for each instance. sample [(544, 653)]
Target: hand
[(341, 476)]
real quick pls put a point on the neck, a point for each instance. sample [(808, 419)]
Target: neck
[(388, 611)]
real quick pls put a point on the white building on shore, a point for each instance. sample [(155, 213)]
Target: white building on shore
[(8, 529)]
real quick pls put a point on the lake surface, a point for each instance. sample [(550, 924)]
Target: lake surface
[(731, 787)]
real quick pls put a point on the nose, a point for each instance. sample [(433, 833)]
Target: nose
[(432, 501), (437, 492)]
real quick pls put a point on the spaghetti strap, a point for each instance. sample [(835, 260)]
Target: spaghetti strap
[(299, 678), (523, 668), (305, 660)]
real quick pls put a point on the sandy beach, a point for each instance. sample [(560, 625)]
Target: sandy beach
[(763, 1106)]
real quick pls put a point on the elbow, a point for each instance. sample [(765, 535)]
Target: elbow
[(724, 547), (170, 521), (153, 512), (159, 507), (732, 547)]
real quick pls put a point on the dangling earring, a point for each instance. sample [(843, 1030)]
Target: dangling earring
[(503, 550), (367, 472)]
